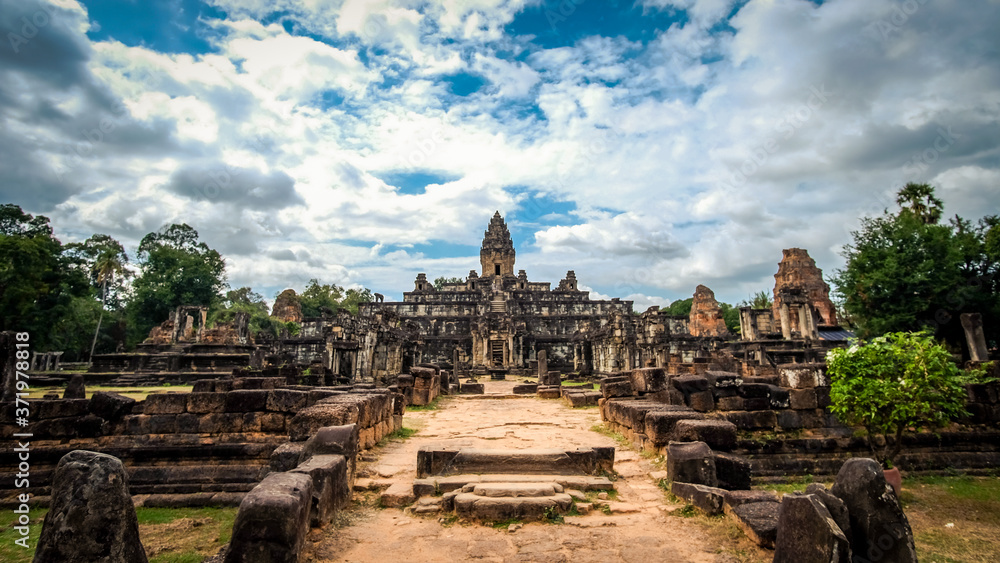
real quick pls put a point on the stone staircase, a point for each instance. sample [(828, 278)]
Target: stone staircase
[(498, 305), (493, 485)]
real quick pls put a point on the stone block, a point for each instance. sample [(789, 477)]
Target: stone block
[(162, 423), (287, 400), (187, 423), (778, 397), (331, 487), (136, 424), (836, 507), (803, 399), (60, 408), (203, 386), (724, 379), (273, 520), (272, 422), (754, 391), (689, 384), (310, 419), (648, 380), (251, 421), (718, 434), (707, 499), (472, 388), (286, 456), (985, 393), (735, 403), (733, 472), (576, 400), (757, 404), (659, 425), (549, 392), (801, 376), (91, 516), (110, 406), (879, 528), (202, 403), (75, 389), (701, 401), (165, 403), (525, 389), (246, 400), (753, 420), (789, 419), (807, 532), (822, 397), (734, 498), (398, 495), (691, 462), (758, 520), (617, 389)]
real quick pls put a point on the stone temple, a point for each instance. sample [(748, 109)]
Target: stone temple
[(499, 319)]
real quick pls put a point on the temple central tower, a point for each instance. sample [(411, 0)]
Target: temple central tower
[(497, 253)]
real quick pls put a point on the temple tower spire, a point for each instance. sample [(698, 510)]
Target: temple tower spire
[(497, 253)]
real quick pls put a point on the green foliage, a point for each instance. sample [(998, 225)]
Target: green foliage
[(176, 270), (319, 299), (439, 282), (40, 285), (892, 383), (552, 516), (731, 315), (759, 300), (907, 272), (245, 300), (680, 308)]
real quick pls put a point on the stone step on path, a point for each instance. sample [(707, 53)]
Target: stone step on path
[(502, 501), (447, 483)]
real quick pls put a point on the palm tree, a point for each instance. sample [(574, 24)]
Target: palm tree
[(109, 264), (919, 200)]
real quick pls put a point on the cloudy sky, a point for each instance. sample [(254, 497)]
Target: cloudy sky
[(650, 145)]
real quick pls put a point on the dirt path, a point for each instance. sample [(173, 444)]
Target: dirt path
[(639, 528)]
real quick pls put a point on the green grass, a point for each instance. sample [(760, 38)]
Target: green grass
[(11, 552), (618, 437), (209, 529), (397, 436), (431, 406), (583, 384), (137, 393)]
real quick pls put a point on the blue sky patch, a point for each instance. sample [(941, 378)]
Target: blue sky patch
[(415, 183), (169, 27), (561, 23)]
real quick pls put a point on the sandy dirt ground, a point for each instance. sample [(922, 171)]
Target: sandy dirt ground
[(639, 529)]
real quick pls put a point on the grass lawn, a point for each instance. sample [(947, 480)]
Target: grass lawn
[(137, 393), (170, 535)]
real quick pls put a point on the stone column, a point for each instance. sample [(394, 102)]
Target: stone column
[(786, 322), (804, 321), (973, 325), (543, 363), (454, 365)]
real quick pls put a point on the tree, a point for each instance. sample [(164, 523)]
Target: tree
[(919, 201), (907, 272), (439, 282), (175, 269), (329, 298), (892, 383), (680, 308), (245, 300), (105, 264), (759, 300), (38, 283)]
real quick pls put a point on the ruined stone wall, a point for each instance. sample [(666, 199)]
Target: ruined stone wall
[(209, 446), (646, 406)]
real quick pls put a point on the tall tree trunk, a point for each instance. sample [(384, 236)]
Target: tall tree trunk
[(104, 299)]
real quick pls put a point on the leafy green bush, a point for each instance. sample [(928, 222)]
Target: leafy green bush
[(894, 382)]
